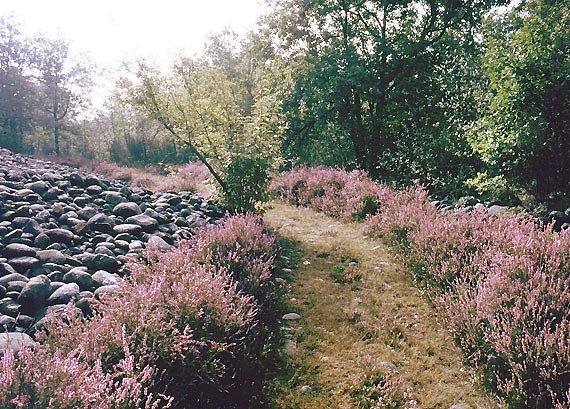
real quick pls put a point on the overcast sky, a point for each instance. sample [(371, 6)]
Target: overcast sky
[(112, 31)]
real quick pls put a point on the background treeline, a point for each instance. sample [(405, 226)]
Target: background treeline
[(467, 98)]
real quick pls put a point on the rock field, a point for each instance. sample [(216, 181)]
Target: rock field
[(69, 235)]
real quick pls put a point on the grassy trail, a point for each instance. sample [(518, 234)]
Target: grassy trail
[(354, 329)]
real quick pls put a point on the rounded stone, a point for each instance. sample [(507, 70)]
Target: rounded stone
[(103, 278), (101, 222), (15, 341), (64, 294), (127, 209), (60, 236), (79, 276), (106, 290), (23, 264), (35, 294), (147, 223), (292, 316), (18, 250), (128, 228)]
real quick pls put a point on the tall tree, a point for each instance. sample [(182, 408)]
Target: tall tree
[(16, 86), (523, 132), (370, 69), (64, 82), (220, 107)]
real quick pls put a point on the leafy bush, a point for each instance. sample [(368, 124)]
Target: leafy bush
[(246, 181), (495, 189)]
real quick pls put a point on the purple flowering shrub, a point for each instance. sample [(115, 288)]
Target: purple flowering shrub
[(502, 285), (513, 318), (42, 378), (336, 192), (192, 333), (244, 247), (402, 212)]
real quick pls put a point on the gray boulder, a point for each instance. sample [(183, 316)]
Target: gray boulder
[(15, 341), (35, 294), (23, 264), (51, 256), (101, 222), (80, 276), (147, 223), (18, 250), (128, 228), (12, 277), (64, 294), (158, 243), (127, 209), (60, 236), (103, 278)]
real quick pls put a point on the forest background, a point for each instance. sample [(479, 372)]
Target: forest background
[(468, 98)]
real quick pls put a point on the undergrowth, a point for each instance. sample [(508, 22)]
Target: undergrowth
[(194, 327), (501, 284)]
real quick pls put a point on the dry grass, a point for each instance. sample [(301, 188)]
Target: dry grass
[(346, 329)]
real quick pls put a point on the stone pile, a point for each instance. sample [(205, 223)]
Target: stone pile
[(68, 235)]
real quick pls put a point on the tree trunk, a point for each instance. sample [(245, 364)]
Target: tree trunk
[(358, 133), (56, 135)]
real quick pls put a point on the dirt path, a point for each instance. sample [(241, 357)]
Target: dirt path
[(353, 335)]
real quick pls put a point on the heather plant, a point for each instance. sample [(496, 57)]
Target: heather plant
[(402, 213), (501, 284), (244, 247), (39, 378), (338, 193), (514, 320), (191, 177), (196, 317)]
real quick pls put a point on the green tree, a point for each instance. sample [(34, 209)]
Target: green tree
[(214, 108), (17, 89), (372, 76), (522, 133), (64, 82)]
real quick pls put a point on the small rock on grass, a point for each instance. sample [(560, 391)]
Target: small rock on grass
[(292, 316), (290, 348), (305, 389)]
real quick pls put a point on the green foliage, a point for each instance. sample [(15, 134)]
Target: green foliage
[(246, 184), (43, 89), (387, 82), (523, 129), (496, 189), (345, 275), (222, 108)]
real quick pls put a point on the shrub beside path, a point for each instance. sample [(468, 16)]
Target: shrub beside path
[(366, 338)]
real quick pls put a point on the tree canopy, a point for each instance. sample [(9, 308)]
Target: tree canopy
[(459, 95)]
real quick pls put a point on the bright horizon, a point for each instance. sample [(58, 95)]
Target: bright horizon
[(112, 31)]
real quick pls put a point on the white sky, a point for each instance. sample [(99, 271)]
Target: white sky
[(111, 31)]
